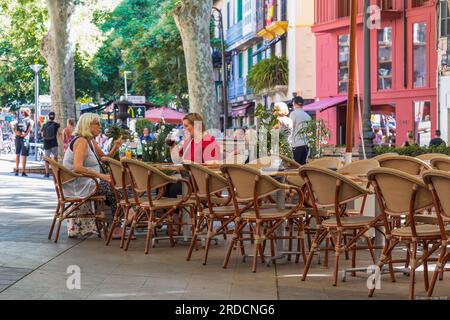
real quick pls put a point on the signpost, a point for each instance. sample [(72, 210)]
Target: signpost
[(136, 112)]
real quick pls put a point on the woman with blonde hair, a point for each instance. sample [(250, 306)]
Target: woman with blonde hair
[(82, 157), (285, 124)]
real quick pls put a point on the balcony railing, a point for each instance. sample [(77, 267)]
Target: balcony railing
[(234, 34)]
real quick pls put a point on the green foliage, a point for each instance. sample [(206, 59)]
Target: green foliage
[(267, 121), (413, 150), (315, 133), (267, 74), (157, 151), (115, 132)]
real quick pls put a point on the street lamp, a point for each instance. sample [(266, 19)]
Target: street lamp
[(36, 68), (126, 85), (219, 19)]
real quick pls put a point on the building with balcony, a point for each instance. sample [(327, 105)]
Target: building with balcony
[(403, 69)]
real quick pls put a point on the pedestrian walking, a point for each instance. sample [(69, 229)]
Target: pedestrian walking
[(299, 119), (50, 132), (22, 127), (68, 133)]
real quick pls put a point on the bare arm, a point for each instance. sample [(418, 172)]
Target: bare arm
[(80, 150)]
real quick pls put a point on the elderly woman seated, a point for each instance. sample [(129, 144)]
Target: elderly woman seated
[(82, 157)]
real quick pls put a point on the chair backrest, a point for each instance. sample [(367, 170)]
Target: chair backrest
[(399, 192), (327, 162), (248, 183), (207, 182), (330, 188), (290, 163), (384, 155), (405, 164), (431, 156), (120, 178), (439, 183), (145, 177), (61, 176), (359, 167), (442, 164)]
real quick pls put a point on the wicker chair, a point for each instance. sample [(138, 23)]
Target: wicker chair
[(67, 206), (331, 189), (402, 195), (431, 156), (405, 164), (442, 164), (384, 155), (121, 184), (327, 162), (439, 184), (147, 179), (249, 186), (207, 184)]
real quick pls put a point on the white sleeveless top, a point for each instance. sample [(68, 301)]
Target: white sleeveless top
[(80, 187)]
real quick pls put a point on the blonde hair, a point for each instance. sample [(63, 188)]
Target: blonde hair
[(83, 128), (26, 111), (193, 117), (281, 109)]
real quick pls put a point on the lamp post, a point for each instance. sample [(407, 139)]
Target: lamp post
[(126, 85), (219, 19), (36, 68)]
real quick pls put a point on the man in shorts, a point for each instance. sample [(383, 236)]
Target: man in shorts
[(50, 131), (22, 127)]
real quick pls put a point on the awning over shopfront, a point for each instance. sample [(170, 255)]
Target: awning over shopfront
[(241, 110), (324, 104)]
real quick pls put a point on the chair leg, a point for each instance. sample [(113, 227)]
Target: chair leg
[(237, 229), (170, 229), (208, 240), (313, 249), (130, 235), (385, 257), (412, 276), (337, 251), (371, 249), (124, 229), (149, 235), (194, 238), (439, 267), (345, 243), (116, 220), (257, 246), (291, 230), (425, 265), (327, 245), (353, 254), (58, 227), (55, 217)]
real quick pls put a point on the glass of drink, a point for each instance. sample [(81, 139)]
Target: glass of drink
[(128, 154)]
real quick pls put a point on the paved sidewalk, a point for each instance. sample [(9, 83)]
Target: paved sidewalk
[(31, 267)]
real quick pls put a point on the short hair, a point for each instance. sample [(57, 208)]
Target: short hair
[(193, 117), (298, 101), (26, 111), (83, 128), (281, 109), (71, 121), (52, 115), (438, 133)]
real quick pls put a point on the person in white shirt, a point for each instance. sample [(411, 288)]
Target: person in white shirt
[(299, 119)]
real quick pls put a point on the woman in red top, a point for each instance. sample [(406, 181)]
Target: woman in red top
[(198, 146)]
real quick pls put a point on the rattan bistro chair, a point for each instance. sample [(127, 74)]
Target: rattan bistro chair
[(121, 184), (405, 164), (67, 206), (330, 189), (207, 184), (384, 155), (431, 156), (442, 164), (147, 179), (439, 184), (249, 186), (402, 195), (327, 162)]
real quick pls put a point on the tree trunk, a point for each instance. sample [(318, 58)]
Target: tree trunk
[(58, 49), (192, 18)]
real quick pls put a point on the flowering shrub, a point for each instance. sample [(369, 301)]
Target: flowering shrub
[(156, 150)]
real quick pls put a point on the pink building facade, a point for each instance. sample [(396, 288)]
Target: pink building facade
[(403, 69)]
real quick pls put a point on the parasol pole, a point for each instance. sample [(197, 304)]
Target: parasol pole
[(351, 82)]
